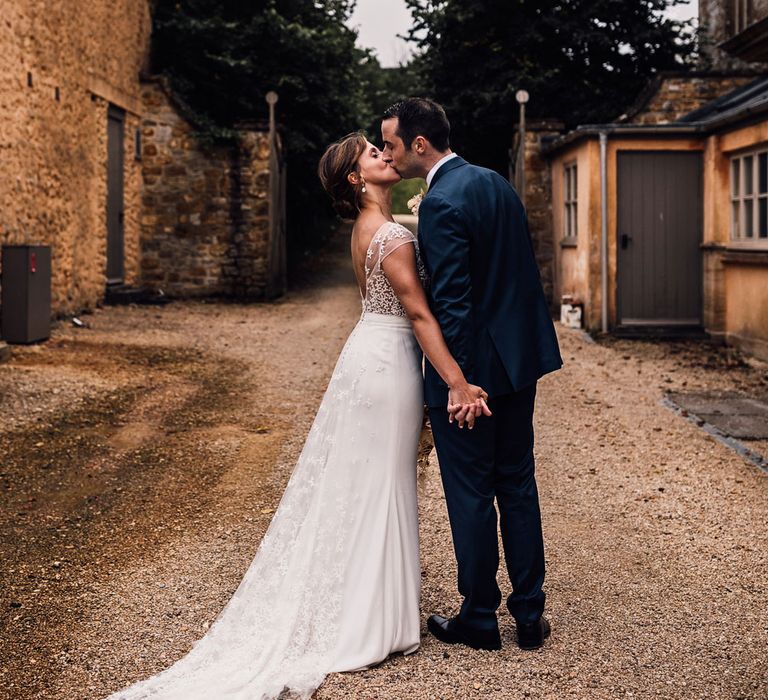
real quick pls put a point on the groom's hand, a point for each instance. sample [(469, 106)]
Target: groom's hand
[(467, 412), (466, 403)]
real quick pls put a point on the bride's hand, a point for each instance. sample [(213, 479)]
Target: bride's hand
[(467, 402)]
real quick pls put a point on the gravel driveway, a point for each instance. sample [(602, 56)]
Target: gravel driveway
[(144, 456)]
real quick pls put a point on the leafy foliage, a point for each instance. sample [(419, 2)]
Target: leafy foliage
[(582, 61), (382, 87), (223, 56), (403, 191)]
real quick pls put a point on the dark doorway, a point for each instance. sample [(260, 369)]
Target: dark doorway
[(115, 198), (659, 239)]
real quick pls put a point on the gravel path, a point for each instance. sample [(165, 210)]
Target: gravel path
[(143, 458)]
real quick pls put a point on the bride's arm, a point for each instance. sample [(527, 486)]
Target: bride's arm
[(400, 268)]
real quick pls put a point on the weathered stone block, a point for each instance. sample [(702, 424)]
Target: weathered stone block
[(174, 170)]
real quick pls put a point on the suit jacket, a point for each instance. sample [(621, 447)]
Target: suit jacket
[(485, 289)]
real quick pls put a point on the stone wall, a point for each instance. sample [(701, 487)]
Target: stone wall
[(538, 197), (671, 96), (205, 222), (61, 65)]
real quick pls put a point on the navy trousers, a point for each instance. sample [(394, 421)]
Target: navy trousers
[(481, 468)]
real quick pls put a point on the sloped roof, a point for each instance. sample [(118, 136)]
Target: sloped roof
[(743, 105), (742, 101)]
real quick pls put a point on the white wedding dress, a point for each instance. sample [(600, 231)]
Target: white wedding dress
[(335, 583)]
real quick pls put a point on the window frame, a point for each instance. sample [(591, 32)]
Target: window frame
[(570, 202), (741, 11), (745, 206)]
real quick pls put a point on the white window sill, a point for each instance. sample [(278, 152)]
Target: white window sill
[(757, 244)]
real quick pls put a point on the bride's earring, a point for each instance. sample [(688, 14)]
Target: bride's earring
[(363, 190)]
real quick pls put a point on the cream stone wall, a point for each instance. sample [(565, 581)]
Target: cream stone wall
[(736, 275), (573, 275), (61, 65), (746, 297)]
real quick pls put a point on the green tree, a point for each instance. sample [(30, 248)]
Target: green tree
[(223, 56), (582, 61), (382, 87)]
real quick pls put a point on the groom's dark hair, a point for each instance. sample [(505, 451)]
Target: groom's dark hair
[(418, 116)]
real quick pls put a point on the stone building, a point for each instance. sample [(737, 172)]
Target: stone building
[(69, 82), (661, 217), (101, 164), (668, 97)]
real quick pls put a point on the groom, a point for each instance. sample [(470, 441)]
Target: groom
[(486, 293)]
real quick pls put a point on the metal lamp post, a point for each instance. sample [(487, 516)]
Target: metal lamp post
[(271, 98), (522, 98)]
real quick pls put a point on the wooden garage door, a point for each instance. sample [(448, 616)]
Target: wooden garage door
[(115, 203), (659, 238)]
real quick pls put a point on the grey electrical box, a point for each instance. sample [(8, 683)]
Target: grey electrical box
[(25, 304)]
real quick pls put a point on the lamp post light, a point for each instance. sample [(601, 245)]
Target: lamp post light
[(522, 98), (271, 97)]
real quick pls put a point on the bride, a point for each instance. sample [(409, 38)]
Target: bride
[(335, 583)]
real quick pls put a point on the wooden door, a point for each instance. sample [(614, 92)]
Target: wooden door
[(659, 239), (115, 198)]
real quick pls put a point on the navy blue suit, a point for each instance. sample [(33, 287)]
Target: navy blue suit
[(486, 294)]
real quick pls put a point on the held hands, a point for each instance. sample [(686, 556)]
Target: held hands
[(466, 402)]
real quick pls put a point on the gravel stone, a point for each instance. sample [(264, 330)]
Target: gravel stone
[(144, 456)]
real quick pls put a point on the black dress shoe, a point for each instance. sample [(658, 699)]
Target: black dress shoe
[(451, 631), (532, 636)]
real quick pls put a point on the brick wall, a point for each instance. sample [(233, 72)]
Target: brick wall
[(79, 58), (205, 221)]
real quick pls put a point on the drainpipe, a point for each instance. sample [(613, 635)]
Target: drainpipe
[(604, 229)]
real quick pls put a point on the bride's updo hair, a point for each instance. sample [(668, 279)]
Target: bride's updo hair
[(338, 161)]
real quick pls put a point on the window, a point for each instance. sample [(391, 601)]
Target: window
[(749, 198), (571, 205), (741, 12)]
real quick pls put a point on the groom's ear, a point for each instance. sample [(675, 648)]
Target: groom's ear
[(419, 145)]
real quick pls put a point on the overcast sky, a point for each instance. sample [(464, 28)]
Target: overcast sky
[(380, 21)]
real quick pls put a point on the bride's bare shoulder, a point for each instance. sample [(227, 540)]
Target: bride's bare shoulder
[(366, 228)]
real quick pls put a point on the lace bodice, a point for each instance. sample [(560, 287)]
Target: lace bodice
[(380, 298)]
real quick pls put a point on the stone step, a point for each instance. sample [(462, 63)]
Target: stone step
[(127, 294), (661, 332)]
